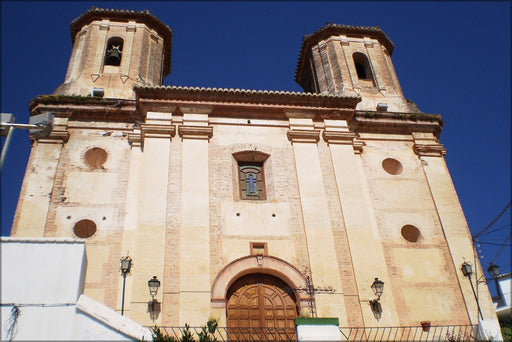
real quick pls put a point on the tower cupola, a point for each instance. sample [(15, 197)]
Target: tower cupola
[(113, 50), (349, 60)]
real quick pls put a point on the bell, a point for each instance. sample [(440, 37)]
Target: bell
[(113, 57)]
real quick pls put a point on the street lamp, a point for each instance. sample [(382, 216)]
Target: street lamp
[(494, 270), (153, 285), (39, 126), (467, 270), (126, 265), (378, 288)]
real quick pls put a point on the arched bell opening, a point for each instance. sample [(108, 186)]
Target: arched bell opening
[(114, 51), (363, 69)]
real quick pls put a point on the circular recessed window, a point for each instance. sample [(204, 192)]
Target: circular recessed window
[(95, 157), (410, 233), (84, 228), (392, 166)]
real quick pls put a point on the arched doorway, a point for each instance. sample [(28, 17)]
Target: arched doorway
[(261, 307)]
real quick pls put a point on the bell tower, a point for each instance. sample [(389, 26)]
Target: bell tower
[(113, 50), (350, 60)]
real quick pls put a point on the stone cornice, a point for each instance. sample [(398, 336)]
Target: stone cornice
[(396, 123), (429, 150), (86, 108), (343, 138), (337, 137), (195, 132), (303, 135), (157, 131)]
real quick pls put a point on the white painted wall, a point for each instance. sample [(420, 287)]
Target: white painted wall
[(42, 279)]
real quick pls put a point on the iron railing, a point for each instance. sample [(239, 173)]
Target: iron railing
[(441, 333), (445, 333), (238, 334)]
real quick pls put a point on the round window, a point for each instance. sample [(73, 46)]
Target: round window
[(95, 157), (392, 166), (410, 233), (84, 228)]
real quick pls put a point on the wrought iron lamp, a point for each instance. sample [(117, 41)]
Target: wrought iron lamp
[(153, 285), (126, 265), (378, 288), (467, 270), (494, 270)]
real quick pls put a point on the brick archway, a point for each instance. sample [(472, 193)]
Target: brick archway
[(253, 265)]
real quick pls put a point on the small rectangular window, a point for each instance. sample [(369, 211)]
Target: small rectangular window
[(259, 248), (252, 180)]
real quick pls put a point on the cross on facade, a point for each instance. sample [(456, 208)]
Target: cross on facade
[(251, 183)]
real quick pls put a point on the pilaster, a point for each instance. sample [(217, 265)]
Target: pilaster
[(455, 228), (195, 281), (151, 212), (360, 221), (315, 212), (38, 183)]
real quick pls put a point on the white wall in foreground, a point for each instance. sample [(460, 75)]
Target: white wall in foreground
[(41, 295)]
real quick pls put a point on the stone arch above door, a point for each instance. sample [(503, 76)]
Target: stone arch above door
[(258, 264)]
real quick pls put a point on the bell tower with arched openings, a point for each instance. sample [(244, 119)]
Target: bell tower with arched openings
[(113, 50), (350, 60)]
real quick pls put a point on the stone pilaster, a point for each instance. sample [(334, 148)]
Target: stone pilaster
[(195, 282), (315, 213), (454, 224), (360, 222), (151, 210), (38, 183)]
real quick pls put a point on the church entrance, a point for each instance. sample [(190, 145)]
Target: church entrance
[(261, 307)]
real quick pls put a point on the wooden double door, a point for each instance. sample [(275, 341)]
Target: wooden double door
[(261, 307)]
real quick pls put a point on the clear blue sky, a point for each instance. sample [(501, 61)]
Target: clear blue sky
[(452, 58)]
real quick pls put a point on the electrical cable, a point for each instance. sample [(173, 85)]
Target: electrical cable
[(493, 260), (493, 221)]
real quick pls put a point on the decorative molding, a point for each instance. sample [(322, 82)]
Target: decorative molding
[(343, 138), (429, 150), (303, 135), (157, 131), (195, 132), (135, 139), (337, 137), (55, 137)]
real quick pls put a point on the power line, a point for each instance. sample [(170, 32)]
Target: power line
[(504, 243), (493, 221)]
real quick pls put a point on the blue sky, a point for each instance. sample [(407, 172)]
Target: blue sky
[(452, 58)]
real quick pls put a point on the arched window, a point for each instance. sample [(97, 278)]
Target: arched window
[(364, 72), (114, 51)]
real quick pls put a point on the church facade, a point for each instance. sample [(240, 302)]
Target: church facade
[(250, 207)]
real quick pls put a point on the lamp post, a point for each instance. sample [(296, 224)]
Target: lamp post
[(126, 265), (39, 126), (467, 270)]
